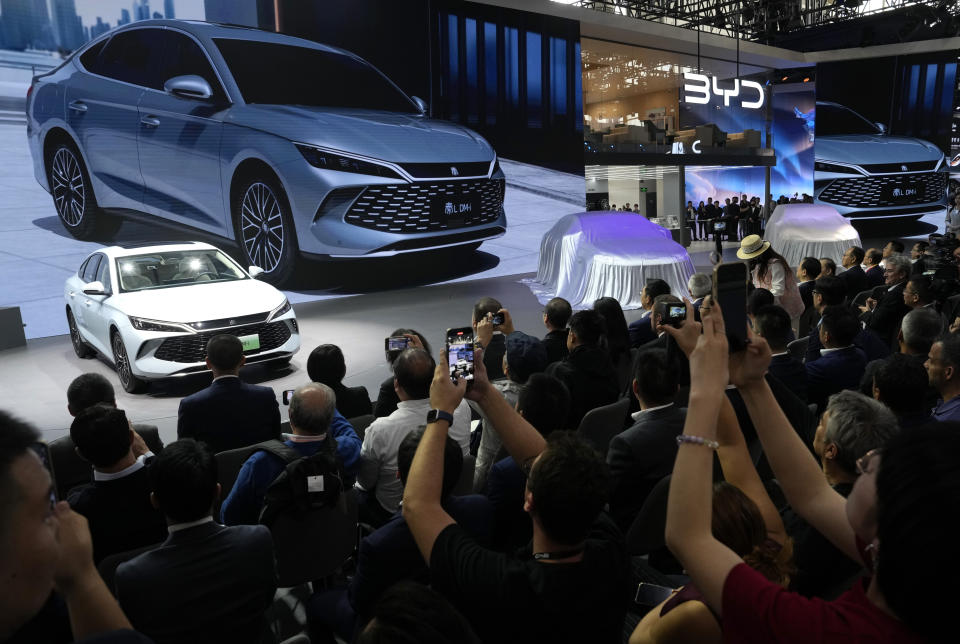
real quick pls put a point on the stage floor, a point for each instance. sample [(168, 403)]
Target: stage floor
[(34, 379)]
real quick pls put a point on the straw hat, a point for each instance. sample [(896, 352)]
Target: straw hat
[(751, 246)]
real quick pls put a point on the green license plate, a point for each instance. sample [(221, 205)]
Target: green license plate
[(250, 342)]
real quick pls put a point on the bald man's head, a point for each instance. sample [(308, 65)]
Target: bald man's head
[(311, 409), (413, 371)]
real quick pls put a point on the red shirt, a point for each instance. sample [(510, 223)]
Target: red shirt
[(758, 610)]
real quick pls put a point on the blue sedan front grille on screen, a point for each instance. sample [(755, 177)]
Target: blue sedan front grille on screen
[(427, 207), (886, 191)]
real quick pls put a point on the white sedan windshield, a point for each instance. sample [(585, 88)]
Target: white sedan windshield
[(175, 268)]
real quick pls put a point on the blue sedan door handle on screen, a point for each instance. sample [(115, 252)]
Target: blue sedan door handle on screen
[(150, 121), (78, 106)]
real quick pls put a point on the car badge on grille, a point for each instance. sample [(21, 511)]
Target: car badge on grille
[(454, 172), (904, 168), (232, 322)]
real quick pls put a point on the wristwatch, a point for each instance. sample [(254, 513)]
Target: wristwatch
[(438, 414)]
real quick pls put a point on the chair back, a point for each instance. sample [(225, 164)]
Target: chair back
[(69, 470), (229, 463), (360, 423), (108, 565), (646, 533), (601, 424), (861, 298), (315, 544), (798, 348), (464, 484)]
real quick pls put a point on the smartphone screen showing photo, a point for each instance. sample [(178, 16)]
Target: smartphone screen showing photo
[(460, 353)]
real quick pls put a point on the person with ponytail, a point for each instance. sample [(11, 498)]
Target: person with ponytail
[(745, 520)]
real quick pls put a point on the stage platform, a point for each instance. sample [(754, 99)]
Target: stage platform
[(34, 379)]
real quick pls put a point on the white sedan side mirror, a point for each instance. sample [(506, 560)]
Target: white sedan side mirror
[(255, 271), (94, 288)]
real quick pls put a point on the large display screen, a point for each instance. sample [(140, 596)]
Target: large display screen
[(883, 149), (282, 131)]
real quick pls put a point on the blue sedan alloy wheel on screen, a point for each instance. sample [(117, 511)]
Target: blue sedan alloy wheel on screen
[(73, 198), (263, 229)]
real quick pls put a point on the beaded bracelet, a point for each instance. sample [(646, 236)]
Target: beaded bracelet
[(697, 440)]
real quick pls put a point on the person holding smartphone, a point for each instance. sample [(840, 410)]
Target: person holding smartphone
[(899, 521), (745, 520)]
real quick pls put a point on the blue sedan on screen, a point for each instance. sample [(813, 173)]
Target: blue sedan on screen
[(866, 173), (287, 147)]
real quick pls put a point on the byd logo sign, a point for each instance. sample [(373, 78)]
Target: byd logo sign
[(698, 86)]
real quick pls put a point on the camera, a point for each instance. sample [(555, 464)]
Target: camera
[(675, 315), (939, 260), (497, 319)]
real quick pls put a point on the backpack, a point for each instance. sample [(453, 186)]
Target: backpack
[(307, 482)]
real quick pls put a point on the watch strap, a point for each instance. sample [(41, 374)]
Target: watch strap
[(438, 414)]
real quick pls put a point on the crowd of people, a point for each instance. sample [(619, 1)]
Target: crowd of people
[(827, 518)]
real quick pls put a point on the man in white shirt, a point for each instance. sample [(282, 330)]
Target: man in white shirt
[(381, 489)]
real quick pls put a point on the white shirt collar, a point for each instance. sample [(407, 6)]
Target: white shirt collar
[(176, 527), (782, 353), (638, 415), (823, 351), (300, 438), (229, 375), (127, 471)]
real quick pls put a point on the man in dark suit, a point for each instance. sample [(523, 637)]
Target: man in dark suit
[(89, 389), (556, 314), (640, 330), (853, 277), (884, 310), (807, 273), (587, 372), (326, 365), (872, 269), (841, 363), (117, 504), (700, 285), (772, 323), (640, 456), (229, 413), (829, 291), (206, 582), (389, 554)]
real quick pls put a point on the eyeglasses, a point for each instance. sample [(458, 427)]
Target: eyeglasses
[(863, 463)]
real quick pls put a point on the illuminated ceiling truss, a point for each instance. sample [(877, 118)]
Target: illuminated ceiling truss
[(764, 20)]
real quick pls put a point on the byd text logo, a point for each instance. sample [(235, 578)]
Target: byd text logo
[(697, 90)]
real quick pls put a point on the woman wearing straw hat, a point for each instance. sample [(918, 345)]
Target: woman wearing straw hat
[(771, 271)]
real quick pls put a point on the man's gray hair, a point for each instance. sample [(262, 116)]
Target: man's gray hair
[(900, 264), (312, 407), (921, 328), (699, 285), (856, 425)]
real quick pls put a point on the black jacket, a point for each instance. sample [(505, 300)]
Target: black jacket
[(885, 319), (208, 583), (790, 372), (874, 277), (120, 514), (589, 375), (639, 457), (229, 414), (555, 343), (855, 281)]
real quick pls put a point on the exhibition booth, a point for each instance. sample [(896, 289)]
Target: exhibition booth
[(433, 152)]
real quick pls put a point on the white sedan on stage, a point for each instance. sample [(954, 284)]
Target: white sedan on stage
[(151, 310)]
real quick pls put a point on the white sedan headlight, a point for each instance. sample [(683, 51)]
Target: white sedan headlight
[(280, 310), (143, 324)]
